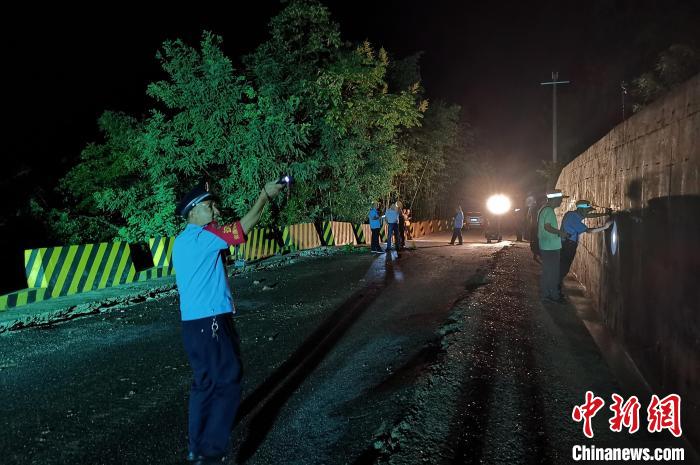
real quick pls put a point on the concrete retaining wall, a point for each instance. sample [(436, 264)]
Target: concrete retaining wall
[(648, 292)]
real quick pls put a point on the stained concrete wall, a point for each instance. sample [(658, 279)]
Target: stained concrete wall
[(648, 293)]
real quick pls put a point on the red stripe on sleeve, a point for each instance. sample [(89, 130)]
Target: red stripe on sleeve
[(231, 233)]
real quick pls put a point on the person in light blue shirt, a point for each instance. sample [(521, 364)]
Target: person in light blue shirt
[(375, 224), (206, 311), (392, 220), (458, 225), (573, 225)]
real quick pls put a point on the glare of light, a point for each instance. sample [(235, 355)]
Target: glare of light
[(613, 238), (498, 204)]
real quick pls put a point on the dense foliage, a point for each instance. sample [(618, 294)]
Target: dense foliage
[(348, 123)]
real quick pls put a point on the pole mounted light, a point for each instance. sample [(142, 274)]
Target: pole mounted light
[(554, 83)]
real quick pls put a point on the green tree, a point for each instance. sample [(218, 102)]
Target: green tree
[(434, 156), (306, 103), (352, 120), (673, 66)]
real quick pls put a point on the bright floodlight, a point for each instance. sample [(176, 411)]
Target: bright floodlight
[(498, 204)]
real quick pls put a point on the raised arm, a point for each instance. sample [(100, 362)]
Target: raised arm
[(268, 193)]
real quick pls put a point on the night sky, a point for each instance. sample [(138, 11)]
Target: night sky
[(63, 66)]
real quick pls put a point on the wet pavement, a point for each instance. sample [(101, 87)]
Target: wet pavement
[(440, 355)]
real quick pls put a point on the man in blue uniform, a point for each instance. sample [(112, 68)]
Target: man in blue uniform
[(458, 225), (573, 225), (206, 308), (375, 224), (392, 220)]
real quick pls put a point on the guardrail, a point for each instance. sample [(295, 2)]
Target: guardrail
[(60, 271)]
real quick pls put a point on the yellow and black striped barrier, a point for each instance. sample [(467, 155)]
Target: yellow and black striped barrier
[(359, 233), (418, 229), (260, 244), (23, 297), (327, 233), (367, 232), (79, 268), (161, 251), (343, 233), (302, 236), (59, 271), (154, 273), (287, 240)]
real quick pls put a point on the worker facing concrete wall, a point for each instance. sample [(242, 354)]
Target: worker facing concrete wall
[(643, 272)]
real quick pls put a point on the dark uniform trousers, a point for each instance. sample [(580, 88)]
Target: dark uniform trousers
[(375, 239), (393, 231), (566, 258), (549, 279), (456, 233), (215, 392)]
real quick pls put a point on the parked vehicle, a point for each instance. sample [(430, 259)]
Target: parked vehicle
[(474, 220)]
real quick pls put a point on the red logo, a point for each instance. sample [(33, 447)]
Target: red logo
[(665, 414), (661, 413), (587, 411), (626, 414)]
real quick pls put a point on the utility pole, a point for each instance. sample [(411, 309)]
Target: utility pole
[(553, 83)]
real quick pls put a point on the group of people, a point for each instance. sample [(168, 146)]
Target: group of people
[(556, 245), (207, 307), (397, 219)]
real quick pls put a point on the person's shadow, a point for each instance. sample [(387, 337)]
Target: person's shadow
[(259, 410)]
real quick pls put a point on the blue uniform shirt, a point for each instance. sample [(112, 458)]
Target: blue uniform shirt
[(392, 216), (459, 220), (375, 221), (199, 269), (572, 223)]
